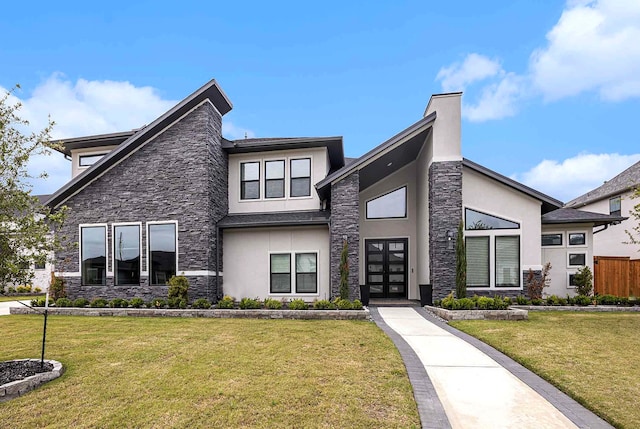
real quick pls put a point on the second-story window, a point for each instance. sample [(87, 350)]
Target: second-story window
[(274, 179), (250, 180), (615, 206), (300, 177), (89, 160)]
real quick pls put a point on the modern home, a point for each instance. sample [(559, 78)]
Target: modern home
[(269, 217), (614, 197)]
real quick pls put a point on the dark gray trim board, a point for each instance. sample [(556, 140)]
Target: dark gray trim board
[(255, 220), (99, 140)]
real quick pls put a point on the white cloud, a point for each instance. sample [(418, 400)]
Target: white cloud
[(474, 68), (593, 47), (575, 176), (498, 100), (86, 108)]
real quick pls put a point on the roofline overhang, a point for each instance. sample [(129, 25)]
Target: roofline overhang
[(594, 221), (97, 140), (602, 197)]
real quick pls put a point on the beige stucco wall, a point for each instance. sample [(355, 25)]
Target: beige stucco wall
[(611, 242), (75, 157), (246, 259), (392, 228), (486, 195), (447, 129), (319, 169), (558, 279), (422, 212)]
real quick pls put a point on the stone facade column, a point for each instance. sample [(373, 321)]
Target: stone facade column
[(445, 213), (345, 218)]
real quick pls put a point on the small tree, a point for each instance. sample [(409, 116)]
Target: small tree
[(535, 284), (344, 271), (461, 264), (583, 279), (634, 234), (178, 287)]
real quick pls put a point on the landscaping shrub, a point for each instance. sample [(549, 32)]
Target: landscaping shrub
[(507, 300), (582, 300), (343, 304), (118, 303), (606, 299), (136, 302), (98, 303), (178, 288), (177, 302), (324, 304), (536, 301), (298, 304), (2, 290), (583, 279), (80, 302), (437, 303), (157, 303), (464, 304), (36, 290), (356, 304), (570, 300), (201, 303), (562, 301), (64, 302), (250, 303), (498, 303), (448, 302), (553, 300), (11, 290), (272, 304), (226, 302), (40, 302), (23, 289), (485, 303)]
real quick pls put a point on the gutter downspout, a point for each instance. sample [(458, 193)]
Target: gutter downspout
[(600, 230)]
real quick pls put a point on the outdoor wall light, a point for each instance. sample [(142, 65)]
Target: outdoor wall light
[(450, 237)]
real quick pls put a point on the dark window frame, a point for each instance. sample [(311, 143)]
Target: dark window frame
[(292, 178), (310, 272), (116, 281), (92, 155), (487, 238), (150, 268), (243, 181), (466, 222), (612, 201), (584, 239), (267, 181), (561, 235), (271, 273), (83, 279), (495, 262), (584, 257), (406, 203)]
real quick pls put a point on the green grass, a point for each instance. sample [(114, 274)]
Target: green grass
[(166, 372), (20, 298), (593, 357)]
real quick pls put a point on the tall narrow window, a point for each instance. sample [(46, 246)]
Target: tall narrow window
[(300, 177), (274, 179), (162, 252), (280, 267), (508, 261), (126, 254), (615, 206), (93, 255), (250, 180), (306, 273), (477, 261), (388, 206)]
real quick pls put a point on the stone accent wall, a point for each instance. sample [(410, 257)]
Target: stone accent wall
[(345, 212), (445, 213), (180, 175)]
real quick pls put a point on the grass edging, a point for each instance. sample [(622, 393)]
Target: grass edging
[(215, 313), (509, 314), (585, 308), (20, 387)]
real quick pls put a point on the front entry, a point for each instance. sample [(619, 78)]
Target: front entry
[(387, 267)]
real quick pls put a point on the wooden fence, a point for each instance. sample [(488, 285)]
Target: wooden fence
[(619, 276)]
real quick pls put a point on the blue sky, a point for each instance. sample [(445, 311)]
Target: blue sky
[(551, 89)]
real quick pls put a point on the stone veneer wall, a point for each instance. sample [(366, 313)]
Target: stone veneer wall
[(345, 212), (445, 213), (180, 175)]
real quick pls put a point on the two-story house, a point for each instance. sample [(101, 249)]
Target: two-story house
[(269, 217)]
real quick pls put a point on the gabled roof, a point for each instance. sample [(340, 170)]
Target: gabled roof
[(333, 145), (210, 91), (628, 179), (569, 215), (255, 220), (99, 140), (548, 203)]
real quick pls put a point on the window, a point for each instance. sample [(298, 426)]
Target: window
[(162, 252), (572, 280), (39, 265), (577, 259), (126, 254), (89, 160), (577, 239), (388, 206), (300, 177), (306, 273), (508, 261), (274, 179), (475, 220), (250, 180), (280, 268), (615, 206), (552, 239), (477, 261), (93, 255)]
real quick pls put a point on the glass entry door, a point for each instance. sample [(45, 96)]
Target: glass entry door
[(387, 267)]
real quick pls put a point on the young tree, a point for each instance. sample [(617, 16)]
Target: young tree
[(461, 264), (634, 234), (25, 225)]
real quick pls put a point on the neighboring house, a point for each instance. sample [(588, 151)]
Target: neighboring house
[(175, 197), (614, 198)]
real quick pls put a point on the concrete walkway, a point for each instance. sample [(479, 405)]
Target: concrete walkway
[(4, 306), (465, 385)]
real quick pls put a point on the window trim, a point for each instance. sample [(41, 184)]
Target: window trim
[(466, 224), (378, 196), (561, 234), (241, 163), (293, 272), (291, 159), (488, 240), (495, 262), (615, 212), (575, 266), (89, 154), (106, 250), (295, 263), (148, 250), (113, 254), (569, 274), (291, 280), (584, 233), (266, 180)]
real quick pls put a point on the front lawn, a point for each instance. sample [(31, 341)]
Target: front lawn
[(20, 298), (593, 357), (166, 372)]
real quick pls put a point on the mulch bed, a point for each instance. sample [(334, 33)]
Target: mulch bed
[(14, 370)]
